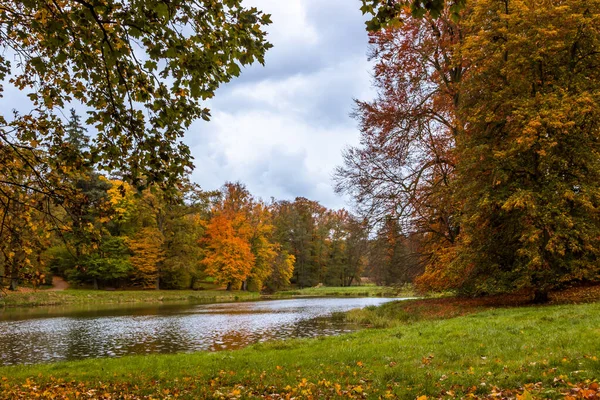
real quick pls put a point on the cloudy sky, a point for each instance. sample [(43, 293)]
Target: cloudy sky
[(280, 129)]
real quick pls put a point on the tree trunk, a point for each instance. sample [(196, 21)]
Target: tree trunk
[(541, 296), (95, 284), (229, 286), (13, 284), (245, 286), (157, 282)]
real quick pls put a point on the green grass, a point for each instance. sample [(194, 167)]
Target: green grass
[(80, 296), (538, 349), (351, 291), (103, 297)]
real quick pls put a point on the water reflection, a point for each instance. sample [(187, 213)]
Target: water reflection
[(57, 336)]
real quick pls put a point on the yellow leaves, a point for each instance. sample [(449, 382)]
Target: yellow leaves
[(519, 200), (422, 398), (147, 254), (525, 396)]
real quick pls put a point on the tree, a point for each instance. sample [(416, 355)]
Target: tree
[(265, 251), (147, 256), (229, 256), (109, 264), (405, 165), (390, 12), (519, 206), (282, 270), (531, 218), (141, 69), (301, 228)]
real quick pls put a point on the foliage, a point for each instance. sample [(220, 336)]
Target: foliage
[(402, 174), (482, 143), (141, 70), (229, 259), (530, 219), (386, 12), (147, 255)]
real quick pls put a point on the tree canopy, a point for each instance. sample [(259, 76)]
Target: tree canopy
[(141, 70), (483, 141)]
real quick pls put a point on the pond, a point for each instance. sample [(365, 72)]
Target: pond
[(28, 336)]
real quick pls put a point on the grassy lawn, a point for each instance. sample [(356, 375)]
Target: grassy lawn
[(80, 296), (357, 291), (445, 348), (102, 297)]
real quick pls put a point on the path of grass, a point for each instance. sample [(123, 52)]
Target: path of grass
[(79, 296), (102, 297), (356, 291), (520, 352)]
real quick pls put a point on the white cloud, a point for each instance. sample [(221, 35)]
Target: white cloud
[(281, 129)]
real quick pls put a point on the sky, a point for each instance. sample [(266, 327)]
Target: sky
[(280, 129)]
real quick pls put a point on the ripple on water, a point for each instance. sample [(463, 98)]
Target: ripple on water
[(187, 328)]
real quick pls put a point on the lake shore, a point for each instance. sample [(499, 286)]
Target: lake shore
[(41, 298), (448, 348)]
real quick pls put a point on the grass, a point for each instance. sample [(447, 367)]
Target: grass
[(356, 291), (80, 296), (102, 297), (439, 348)]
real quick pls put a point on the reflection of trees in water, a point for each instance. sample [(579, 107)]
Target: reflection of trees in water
[(166, 330)]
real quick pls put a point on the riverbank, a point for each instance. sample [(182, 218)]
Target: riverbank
[(103, 297), (449, 348), (351, 291), (98, 297)]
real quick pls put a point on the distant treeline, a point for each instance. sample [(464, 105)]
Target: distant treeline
[(108, 233)]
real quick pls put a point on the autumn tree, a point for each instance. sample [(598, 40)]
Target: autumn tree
[(24, 235), (177, 215), (522, 192), (147, 256), (532, 103), (229, 257), (404, 167), (264, 249)]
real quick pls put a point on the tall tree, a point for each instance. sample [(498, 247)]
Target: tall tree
[(405, 164), (532, 99)]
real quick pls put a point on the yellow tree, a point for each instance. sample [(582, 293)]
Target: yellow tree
[(263, 247), (147, 255)]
